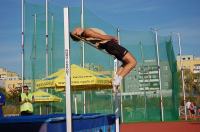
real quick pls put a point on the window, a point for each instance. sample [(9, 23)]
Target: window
[(166, 76), (155, 84), (166, 84), (165, 68), (154, 76)]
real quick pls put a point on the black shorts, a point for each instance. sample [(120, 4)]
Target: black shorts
[(114, 49)]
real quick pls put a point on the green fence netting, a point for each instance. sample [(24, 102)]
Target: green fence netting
[(140, 98)]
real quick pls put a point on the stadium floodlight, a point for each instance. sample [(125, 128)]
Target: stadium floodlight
[(155, 30)]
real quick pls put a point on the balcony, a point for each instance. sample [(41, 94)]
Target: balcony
[(147, 73), (149, 80)]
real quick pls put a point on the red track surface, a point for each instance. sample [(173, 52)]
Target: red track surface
[(161, 127)]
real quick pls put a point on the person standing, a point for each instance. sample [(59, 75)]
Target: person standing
[(192, 110), (26, 102), (188, 103), (2, 103)]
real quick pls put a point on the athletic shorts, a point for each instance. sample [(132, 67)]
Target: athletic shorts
[(114, 49)]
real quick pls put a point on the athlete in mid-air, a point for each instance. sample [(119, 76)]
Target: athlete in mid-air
[(111, 45)]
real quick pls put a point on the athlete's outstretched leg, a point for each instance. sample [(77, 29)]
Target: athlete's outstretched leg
[(129, 63)]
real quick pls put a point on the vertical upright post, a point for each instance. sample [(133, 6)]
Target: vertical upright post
[(83, 52), (84, 102), (159, 74), (75, 104), (22, 45), (121, 104), (47, 58), (145, 96), (46, 38), (182, 74), (116, 94), (52, 33), (82, 26), (67, 71), (117, 111), (34, 49), (51, 55)]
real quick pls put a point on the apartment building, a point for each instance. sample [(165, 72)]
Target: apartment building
[(8, 75), (145, 77), (3, 74), (189, 62), (9, 80)]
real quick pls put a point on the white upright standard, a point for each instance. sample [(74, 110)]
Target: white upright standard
[(116, 96), (117, 92), (67, 71), (83, 52)]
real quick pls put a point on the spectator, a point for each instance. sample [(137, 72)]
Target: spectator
[(26, 99), (192, 110), (2, 103), (188, 103)]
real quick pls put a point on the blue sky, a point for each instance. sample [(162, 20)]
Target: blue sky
[(168, 15)]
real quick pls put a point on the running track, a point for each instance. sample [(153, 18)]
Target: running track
[(181, 126)]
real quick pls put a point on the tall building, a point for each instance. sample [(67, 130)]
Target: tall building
[(189, 62)]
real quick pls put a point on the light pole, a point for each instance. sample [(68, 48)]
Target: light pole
[(182, 73), (22, 44), (159, 74), (46, 39)]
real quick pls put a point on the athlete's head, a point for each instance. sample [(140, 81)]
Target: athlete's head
[(76, 32), (74, 37)]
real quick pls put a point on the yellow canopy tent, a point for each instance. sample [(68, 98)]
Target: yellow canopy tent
[(41, 97), (81, 79)]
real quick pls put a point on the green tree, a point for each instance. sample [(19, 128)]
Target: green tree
[(2, 90), (192, 82), (189, 81), (197, 83)]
